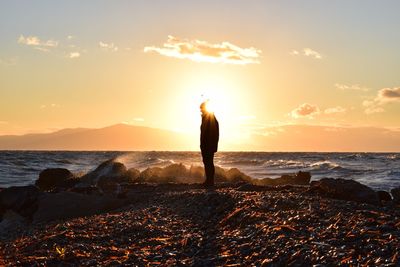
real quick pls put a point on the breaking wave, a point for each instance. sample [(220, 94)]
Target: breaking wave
[(179, 173), (325, 165)]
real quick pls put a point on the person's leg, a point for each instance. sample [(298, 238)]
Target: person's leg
[(212, 169), (203, 156), (209, 169)]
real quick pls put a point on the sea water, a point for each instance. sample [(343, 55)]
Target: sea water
[(377, 170)]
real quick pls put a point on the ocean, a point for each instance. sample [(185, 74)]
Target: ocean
[(380, 171)]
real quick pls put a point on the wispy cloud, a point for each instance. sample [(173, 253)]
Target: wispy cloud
[(67, 49), (74, 55), (108, 46), (203, 51), (312, 53), (50, 106), (8, 62), (36, 43), (371, 107), (305, 110), (30, 40), (335, 110), (355, 87), (384, 96), (308, 52)]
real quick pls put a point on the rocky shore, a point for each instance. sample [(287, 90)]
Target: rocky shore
[(118, 217)]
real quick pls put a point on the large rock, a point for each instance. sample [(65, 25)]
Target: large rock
[(53, 178), (108, 176), (132, 175), (65, 205), (345, 190), (396, 195), (109, 169), (300, 178), (20, 199), (174, 173), (232, 175), (196, 173)]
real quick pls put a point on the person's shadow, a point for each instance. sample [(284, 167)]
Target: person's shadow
[(207, 209)]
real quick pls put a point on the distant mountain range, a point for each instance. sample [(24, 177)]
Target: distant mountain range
[(115, 137), (125, 137)]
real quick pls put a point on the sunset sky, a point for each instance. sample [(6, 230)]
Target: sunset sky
[(68, 64)]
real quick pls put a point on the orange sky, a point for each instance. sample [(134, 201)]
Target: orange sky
[(262, 65)]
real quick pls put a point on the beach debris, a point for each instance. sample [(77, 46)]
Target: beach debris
[(246, 187), (177, 224)]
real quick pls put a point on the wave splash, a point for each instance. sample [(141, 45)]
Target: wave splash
[(179, 173)]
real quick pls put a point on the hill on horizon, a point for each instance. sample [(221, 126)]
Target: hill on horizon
[(115, 137), (286, 138)]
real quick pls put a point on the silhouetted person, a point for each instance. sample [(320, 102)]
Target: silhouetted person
[(209, 137)]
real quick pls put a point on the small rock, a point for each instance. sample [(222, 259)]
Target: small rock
[(396, 194), (384, 196)]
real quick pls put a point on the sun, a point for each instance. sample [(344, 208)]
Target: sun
[(218, 100), (210, 106)]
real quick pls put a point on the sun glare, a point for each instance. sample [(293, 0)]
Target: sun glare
[(210, 107), (224, 98), (217, 101)]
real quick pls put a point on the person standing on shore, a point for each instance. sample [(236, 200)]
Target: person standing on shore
[(209, 137)]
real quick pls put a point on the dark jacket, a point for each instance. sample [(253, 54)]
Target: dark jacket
[(209, 135)]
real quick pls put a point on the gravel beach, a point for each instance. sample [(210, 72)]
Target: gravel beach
[(230, 225)]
